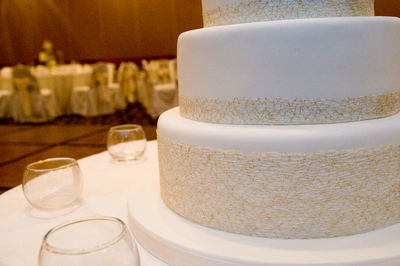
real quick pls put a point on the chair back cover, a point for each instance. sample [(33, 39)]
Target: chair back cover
[(127, 76), (27, 105)]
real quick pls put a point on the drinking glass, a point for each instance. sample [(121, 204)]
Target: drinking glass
[(53, 183), (89, 241), (126, 142)]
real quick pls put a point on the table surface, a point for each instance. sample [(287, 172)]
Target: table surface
[(107, 185)]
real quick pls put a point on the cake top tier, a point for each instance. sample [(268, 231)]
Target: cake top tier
[(223, 12)]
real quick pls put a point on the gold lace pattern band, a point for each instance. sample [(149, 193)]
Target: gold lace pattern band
[(267, 10), (282, 195), (279, 111)]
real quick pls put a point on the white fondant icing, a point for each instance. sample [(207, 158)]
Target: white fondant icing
[(180, 242), (290, 138), (294, 181), (303, 59)]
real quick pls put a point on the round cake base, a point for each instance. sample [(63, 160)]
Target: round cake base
[(178, 241)]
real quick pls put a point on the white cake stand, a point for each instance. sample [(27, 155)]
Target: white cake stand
[(178, 241)]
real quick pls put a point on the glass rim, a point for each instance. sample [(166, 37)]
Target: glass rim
[(126, 127), (71, 162), (82, 251)]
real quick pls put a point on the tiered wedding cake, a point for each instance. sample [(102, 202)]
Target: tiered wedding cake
[(287, 128)]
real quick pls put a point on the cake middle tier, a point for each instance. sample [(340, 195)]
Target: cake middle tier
[(305, 71), (304, 181)]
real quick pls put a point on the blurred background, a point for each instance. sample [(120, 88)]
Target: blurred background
[(71, 69), (96, 30)]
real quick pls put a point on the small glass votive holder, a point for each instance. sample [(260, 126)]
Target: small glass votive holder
[(53, 184), (89, 241), (126, 142)]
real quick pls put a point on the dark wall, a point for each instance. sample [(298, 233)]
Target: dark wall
[(387, 8), (94, 29), (91, 30)]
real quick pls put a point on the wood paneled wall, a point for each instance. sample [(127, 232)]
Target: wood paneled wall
[(94, 29), (387, 8), (90, 30)]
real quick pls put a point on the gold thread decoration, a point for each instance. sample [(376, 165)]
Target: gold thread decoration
[(280, 111), (282, 195), (267, 10)]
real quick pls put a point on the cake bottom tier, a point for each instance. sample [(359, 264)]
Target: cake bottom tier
[(306, 181), (177, 241)]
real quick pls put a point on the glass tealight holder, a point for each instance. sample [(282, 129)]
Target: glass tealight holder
[(126, 142), (53, 184), (89, 241)]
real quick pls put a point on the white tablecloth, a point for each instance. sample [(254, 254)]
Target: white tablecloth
[(62, 83), (165, 97), (106, 188), (60, 80)]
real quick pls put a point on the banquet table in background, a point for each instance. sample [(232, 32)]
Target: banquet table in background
[(107, 185), (57, 81), (61, 80), (77, 88)]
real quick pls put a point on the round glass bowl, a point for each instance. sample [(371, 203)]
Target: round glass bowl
[(126, 142), (53, 183), (89, 241)]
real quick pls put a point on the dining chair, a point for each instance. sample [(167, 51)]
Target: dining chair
[(127, 77), (162, 85), (28, 102)]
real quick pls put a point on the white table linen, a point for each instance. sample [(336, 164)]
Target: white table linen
[(62, 81), (107, 185), (84, 101), (162, 82), (165, 97)]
